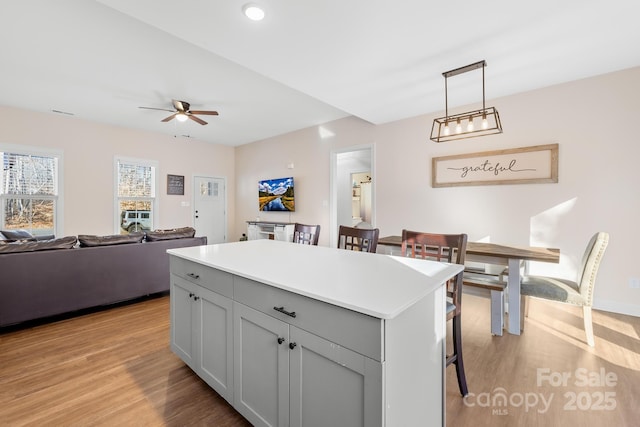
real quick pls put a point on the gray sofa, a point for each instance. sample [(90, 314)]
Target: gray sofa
[(42, 283)]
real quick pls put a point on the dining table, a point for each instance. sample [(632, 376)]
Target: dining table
[(498, 254)]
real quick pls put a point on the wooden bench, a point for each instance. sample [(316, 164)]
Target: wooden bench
[(479, 279)]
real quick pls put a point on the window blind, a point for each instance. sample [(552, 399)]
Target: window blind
[(28, 175)]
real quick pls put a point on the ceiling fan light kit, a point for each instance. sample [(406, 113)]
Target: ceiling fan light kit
[(182, 113), (478, 123)]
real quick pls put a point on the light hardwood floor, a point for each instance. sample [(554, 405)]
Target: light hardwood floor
[(114, 368)]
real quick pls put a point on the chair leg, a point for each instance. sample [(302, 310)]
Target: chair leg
[(588, 325), (457, 350)]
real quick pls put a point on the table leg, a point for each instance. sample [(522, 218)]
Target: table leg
[(513, 289), (497, 313)]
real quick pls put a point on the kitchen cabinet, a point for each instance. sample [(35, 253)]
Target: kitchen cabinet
[(202, 332), (286, 376), (358, 342), (261, 369)]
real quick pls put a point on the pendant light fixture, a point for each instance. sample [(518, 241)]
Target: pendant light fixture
[(476, 123)]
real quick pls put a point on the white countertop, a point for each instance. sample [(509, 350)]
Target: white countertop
[(381, 286)]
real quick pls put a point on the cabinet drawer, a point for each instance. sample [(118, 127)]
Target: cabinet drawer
[(356, 331), (207, 277)]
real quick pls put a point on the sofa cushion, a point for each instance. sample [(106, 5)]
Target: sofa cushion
[(175, 233), (14, 235), (45, 236), (87, 240), (32, 246)]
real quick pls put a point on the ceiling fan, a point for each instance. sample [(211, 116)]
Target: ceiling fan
[(183, 113)]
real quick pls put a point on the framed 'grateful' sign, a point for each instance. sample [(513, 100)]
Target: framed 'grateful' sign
[(525, 165)]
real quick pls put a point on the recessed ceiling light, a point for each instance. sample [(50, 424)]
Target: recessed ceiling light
[(253, 11)]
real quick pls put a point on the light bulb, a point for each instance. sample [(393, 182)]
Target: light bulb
[(485, 123), (253, 12), (470, 125), (458, 127), (446, 129), (182, 117)]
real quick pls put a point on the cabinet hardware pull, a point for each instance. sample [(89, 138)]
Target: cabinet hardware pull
[(191, 294), (196, 298), (280, 340), (292, 345), (283, 311), (193, 275)]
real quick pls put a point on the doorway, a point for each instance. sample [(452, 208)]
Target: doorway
[(210, 208), (350, 168), (360, 200)]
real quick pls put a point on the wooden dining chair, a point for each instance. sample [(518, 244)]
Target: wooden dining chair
[(358, 239), (577, 292), (445, 248), (306, 234)]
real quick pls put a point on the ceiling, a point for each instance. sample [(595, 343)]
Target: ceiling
[(307, 63)]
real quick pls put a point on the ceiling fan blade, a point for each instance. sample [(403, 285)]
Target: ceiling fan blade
[(169, 118), (197, 120), (161, 109), (208, 113), (182, 109), (180, 105)]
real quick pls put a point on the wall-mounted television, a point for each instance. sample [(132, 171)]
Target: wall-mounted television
[(276, 195)]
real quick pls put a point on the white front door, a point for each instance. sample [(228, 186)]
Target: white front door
[(210, 208)]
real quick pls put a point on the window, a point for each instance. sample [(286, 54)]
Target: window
[(29, 190), (135, 194)]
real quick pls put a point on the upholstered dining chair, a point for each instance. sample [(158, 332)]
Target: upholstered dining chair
[(577, 292), (358, 239), (306, 234), (446, 248)]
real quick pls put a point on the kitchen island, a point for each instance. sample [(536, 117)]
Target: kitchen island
[(308, 335)]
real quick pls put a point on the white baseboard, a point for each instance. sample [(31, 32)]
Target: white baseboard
[(617, 307)]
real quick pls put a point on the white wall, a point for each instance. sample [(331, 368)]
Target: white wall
[(89, 149), (309, 150), (593, 121)]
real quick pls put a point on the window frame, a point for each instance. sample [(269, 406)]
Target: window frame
[(58, 198), (116, 198)]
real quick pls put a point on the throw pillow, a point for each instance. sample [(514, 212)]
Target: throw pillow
[(17, 235), (175, 233), (87, 240), (32, 246)]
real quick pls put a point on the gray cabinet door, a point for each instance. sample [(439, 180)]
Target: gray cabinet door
[(214, 320), (183, 331), (332, 385), (261, 368), (202, 333)]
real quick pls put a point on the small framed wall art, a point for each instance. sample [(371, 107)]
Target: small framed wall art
[(175, 184)]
